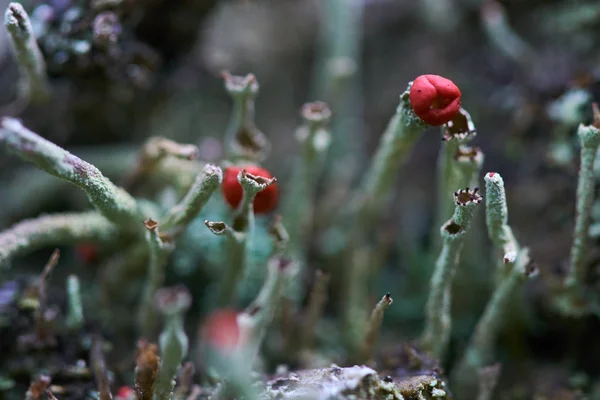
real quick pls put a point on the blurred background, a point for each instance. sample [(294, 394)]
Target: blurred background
[(125, 70)]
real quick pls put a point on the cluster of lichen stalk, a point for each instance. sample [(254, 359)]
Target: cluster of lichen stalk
[(154, 231)]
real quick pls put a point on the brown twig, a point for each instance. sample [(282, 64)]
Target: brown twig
[(100, 370), (40, 319), (146, 369)]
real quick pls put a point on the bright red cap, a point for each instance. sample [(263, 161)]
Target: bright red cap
[(264, 202), (221, 330), (435, 99)]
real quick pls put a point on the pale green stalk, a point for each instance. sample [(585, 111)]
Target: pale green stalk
[(445, 172), (34, 82), (172, 303), (243, 227), (454, 169), (177, 173), (236, 253), (52, 230), (503, 36), (113, 202), (188, 208), (336, 80), (517, 267), (372, 198), (75, 318), (481, 348), (159, 252), (257, 317), (243, 220), (243, 140), (497, 218), (235, 367), (437, 312), (378, 183), (152, 153), (314, 138), (373, 326), (589, 137)]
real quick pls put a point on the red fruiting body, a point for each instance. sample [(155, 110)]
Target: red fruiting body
[(233, 193), (126, 393), (221, 330), (435, 99), (87, 252)]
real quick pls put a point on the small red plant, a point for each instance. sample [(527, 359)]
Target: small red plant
[(435, 99), (221, 330), (264, 202)]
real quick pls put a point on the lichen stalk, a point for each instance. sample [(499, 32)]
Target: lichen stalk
[(155, 150), (481, 348), (252, 185), (437, 312), (373, 196), (453, 169), (336, 80), (589, 137), (54, 230), (159, 251), (504, 38), (239, 234), (188, 208), (314, 138), (255, 320), (377, 184), (34, 81), (177, 173), (444, 178), (75, 319), (499, 231), (244, 141), (172, 303), (235, 365), (373, 326), (236, 254), (113, 202)]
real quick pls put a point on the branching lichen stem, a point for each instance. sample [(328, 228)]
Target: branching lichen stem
[(188, 208), (112, 202), (54, 230)]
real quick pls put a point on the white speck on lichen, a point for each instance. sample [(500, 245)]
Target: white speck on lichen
[(438, 393)]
